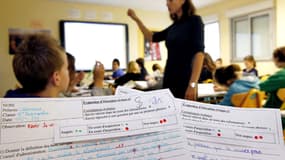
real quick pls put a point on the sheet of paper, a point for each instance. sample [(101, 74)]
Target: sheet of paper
[(221, 132), (27, 133), (125, 90), (115, 116), (159, 145)]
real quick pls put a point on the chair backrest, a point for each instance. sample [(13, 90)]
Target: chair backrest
[(208, 81), (251, 99), (264, 77), (281, 96)]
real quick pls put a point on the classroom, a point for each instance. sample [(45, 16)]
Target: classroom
[(45, 14), (142, 108)]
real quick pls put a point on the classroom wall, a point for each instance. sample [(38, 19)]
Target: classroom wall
[(220, 10), (45, 14), (280, 25)]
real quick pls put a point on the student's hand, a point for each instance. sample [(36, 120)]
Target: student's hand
[(80, 76), (99, 71), (191, 93), (131, 13)]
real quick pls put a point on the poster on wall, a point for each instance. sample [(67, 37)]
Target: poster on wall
[(151, 51), (17, 35)]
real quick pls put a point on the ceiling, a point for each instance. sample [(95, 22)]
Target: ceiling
[(156, 5)]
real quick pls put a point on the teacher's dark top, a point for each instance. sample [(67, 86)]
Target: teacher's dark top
[(183, 40)]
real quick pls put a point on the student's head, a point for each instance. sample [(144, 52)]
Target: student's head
[(71, 66), (140, 62), (184, 7), (156, 66), (41, 66), (249, 62), (209, 63), (279, 57), (133, 67), (219, 62), (225, 76), (115, 64)]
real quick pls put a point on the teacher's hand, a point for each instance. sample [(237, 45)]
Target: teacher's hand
[(191, 93), (131, 13)]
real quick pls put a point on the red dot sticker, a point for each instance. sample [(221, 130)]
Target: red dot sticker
[(164, 120), (255, 137), (260, 137), (219, 134), (127, 128), (161, 121)]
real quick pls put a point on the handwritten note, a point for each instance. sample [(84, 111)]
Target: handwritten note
[(160, 145)]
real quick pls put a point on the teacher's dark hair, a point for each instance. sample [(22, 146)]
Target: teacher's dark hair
[(188, 9)]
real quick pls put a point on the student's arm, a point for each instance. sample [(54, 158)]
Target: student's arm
[(146, 32), (191, 92)]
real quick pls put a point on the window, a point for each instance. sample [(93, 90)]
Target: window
[(212, 40), (252, 35)]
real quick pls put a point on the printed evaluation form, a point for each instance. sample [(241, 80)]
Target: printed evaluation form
[(223, 132), (135, 125), (128, 124)]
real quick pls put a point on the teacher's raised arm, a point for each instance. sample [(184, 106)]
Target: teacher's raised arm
[(184, 40)]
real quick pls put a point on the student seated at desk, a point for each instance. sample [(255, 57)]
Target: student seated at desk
[(143, 71), (155, 80), (97, 87), (250, 66), (219, 62), (74, 78), (208, 69), (117, 71), (275, 82), (40, 65), (231, 77), (133, 73)]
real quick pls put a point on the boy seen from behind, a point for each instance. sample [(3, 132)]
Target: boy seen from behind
[(41, 67)]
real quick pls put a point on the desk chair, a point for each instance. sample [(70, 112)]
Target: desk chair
[(208, 81), (281, 96), (264, 77), (251, 99)]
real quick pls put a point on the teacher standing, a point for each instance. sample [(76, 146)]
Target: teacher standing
[(185, 45)]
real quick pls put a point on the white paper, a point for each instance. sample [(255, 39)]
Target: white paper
[(160, 145), (27, 133), (226, 133), (115, 116), (125, 90), (221, 132), (207, 90)]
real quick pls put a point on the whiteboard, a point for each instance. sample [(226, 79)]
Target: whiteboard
[(89, 42)]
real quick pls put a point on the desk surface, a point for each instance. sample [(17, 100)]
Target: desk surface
[(131, 84), (207, 90)]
